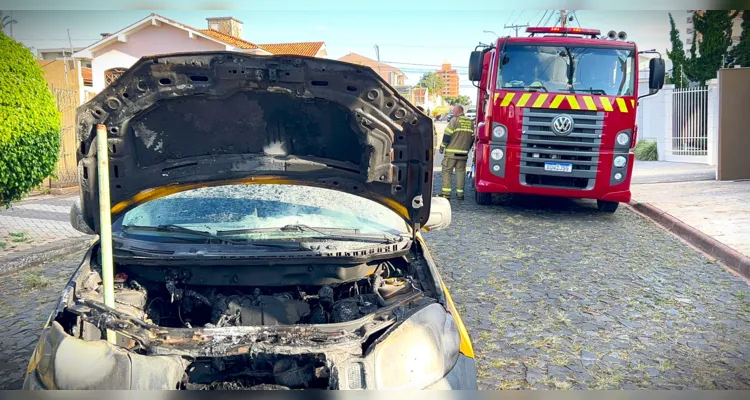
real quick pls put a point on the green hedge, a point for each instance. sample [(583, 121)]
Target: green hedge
[(645, 150), (29, 123)]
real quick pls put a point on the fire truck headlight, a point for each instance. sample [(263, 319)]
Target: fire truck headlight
[(496, 154), (623, 139), (499, 131), (618, 176), (620, 161)]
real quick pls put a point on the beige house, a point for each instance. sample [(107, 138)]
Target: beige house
[(391, 74)]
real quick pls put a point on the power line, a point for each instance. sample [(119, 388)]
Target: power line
[(540, 19)]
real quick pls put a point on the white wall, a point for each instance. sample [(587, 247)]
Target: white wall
[(148, 41)]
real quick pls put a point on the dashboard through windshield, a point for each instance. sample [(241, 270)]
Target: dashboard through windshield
[(259, 212), (592, 70)]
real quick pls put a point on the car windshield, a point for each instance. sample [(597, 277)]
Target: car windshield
[(595, 70), (260, 212)]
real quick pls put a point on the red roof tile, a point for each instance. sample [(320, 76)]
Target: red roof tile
[(309, 49), (229, 39)]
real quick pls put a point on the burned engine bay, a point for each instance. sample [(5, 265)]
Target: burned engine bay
[(233, 334)]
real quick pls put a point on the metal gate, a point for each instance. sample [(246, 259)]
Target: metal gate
[(66, 173), (689, 137)]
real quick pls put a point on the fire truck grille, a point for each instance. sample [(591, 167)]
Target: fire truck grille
[(575, 155)]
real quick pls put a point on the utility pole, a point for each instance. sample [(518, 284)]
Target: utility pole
[(563, 17), (377, 54), (516, 27), (11, 24)]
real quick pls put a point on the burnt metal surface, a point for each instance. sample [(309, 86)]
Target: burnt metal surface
[(201, 118)]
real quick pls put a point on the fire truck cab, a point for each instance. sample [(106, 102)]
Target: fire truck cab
[(556, 114)]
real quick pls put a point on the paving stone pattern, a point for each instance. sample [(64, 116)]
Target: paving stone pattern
[(559, 296), (26, 300), (34, 222), (554, 294)]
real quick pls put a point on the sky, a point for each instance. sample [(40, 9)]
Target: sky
[(413, 36)]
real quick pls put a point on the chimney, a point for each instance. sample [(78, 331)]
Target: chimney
[(226, 25)]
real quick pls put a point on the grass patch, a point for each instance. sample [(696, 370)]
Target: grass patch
[(18, 237), (741, 296), (33, 282), (3, 245), (645, 150)]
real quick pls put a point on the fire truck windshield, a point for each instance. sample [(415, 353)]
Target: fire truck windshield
[(594, 70)]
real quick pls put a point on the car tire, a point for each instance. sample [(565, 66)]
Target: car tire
[(483, 199), (607, 206)]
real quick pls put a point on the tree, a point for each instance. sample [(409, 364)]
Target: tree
[(677, 55), (6, 20), (432, 82), (29, 123), (459, 100), (740, 54), (708, 56)]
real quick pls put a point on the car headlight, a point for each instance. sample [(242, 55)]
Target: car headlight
[(418, 352), (497, 154), (61, 361), (623, 138), (499, 131), (620, 161)]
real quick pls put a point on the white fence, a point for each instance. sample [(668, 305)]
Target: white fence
[(683, 122)]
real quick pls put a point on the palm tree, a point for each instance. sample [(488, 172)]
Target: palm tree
[(6, 20)]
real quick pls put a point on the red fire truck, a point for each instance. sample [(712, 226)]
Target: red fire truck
[(556, 114)]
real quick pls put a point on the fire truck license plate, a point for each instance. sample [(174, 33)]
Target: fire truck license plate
[(558, 167)]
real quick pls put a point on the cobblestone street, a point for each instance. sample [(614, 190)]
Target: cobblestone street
[(558, 295), (554, 294)]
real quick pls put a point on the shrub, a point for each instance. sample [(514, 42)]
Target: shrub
[(29, 123), (645, 150)]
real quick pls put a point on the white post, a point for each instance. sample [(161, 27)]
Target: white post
[(713, 121), (105, 221), (664, 144)]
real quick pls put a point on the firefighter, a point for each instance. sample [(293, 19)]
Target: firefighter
[(457, 141)]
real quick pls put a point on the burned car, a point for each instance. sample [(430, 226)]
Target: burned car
[(265, 225)]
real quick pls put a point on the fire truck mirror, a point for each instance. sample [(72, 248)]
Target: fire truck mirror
[(475, 66), (656, 74)]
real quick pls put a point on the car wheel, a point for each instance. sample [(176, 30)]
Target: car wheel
[(483, 199), (607, 206)]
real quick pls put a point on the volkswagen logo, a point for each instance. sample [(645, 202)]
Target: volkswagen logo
[(562, 124)]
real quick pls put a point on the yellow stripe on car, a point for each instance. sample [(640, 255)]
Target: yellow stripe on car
[(494, 101), (573, 102), (606, 104), (622, 105), (556, 102), (540, 100), (507, 99), (589, 103), (524, 99)]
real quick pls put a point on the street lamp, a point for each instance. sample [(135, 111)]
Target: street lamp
[(491, 33)]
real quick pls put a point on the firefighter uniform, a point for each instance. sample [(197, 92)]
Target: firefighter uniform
[(457, 141)]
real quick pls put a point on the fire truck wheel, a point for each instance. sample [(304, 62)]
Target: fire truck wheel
[(483, 199), (607, 206)]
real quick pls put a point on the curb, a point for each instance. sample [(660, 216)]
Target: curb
[(725, 254), (38, 255)]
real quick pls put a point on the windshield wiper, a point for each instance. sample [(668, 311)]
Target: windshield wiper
[(207, 235), (593, 91), (535, 88), (324, 232)]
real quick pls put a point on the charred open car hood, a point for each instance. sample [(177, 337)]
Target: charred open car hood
[(181, 121)]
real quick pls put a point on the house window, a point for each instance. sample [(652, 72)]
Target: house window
[(215, 26), (111, 75)]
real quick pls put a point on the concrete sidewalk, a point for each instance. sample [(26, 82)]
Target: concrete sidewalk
[(712, 215), (36, 230)]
